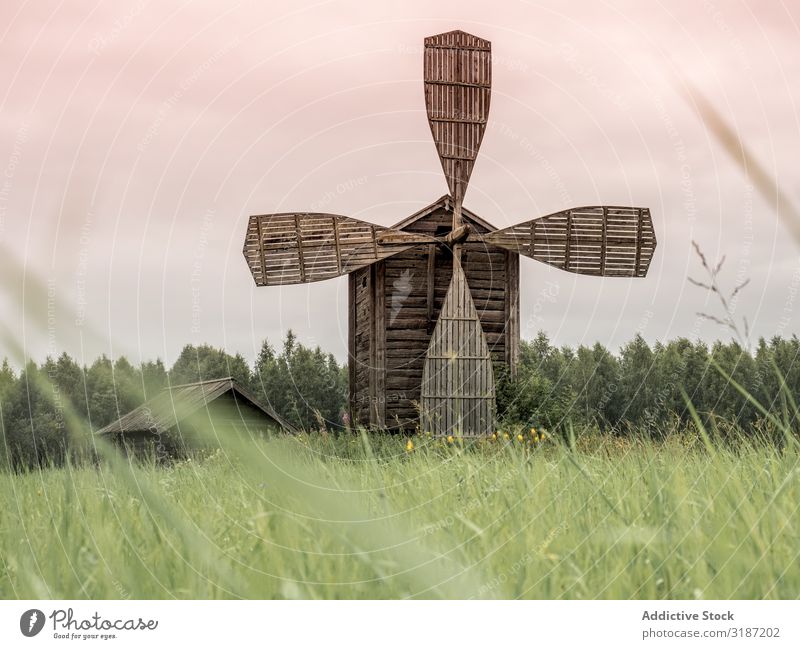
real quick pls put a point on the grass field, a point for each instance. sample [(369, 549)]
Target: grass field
[(323, 518)]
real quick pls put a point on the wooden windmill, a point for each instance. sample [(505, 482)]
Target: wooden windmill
[(434, 300)]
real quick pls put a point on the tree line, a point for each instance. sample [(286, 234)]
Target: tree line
[(641, 386), (648, 387), (304, 385)]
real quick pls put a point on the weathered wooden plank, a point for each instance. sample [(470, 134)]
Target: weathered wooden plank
[(379, 371), (512, 314), (337, 244), (639, 224), (431, 278), (361, 389), (373, 349), (351, 347)]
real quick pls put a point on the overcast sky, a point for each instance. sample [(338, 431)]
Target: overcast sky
[(137, 137)]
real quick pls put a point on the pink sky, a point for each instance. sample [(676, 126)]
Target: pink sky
[(136, 138)]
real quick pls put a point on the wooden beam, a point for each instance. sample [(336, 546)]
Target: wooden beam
[(532, 241), (373, 348), (456, 120), (512, 313), (393, 238), (430, 287), (380, 343), (604, 242), (468, 158), (569, 232), (336, 241), (458, 234), (300, 248), (374, 241), (436, 82), (638, 243), (441, 46), (261, 252), (351, 346), (456, 214)]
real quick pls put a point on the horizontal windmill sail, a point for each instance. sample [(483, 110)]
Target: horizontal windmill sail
[(296, 248), (603, 241)]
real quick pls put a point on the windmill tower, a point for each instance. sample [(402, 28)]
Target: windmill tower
[(434, 300)]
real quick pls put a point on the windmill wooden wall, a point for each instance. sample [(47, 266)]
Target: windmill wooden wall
[(394, 308)]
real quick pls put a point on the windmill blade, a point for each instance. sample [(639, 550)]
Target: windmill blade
[(457, 393), (604, 241), (296, 248), (458, 83)]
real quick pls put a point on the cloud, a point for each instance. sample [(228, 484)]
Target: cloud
[(142, 117)]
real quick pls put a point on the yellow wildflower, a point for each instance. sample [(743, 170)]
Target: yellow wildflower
[(494, 435), (520, 437), (409, 446), (533, 432), (449, 439), (506, 436)]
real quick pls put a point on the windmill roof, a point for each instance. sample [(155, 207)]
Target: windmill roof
[(177, 402), (445, 202)]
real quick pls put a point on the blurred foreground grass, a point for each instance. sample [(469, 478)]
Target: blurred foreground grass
[(317, 517)]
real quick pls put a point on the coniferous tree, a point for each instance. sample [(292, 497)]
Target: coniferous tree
[(102, 398), (36, 431), (7, 379), (304, 385), (154, 378), (637, 379), (127, 385), (7, 382), (206, 363)]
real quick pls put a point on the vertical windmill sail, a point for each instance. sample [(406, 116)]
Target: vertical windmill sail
[(458, 87), (458, 396)]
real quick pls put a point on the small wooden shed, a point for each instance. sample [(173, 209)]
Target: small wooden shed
[(394, 305), (194, 415)]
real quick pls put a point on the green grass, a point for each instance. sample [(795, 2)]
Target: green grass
[(314, 517)]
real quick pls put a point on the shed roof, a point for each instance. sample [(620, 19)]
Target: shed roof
[(447, 203), (177, 402)]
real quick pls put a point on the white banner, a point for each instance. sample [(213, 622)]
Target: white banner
[(407, 624)]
